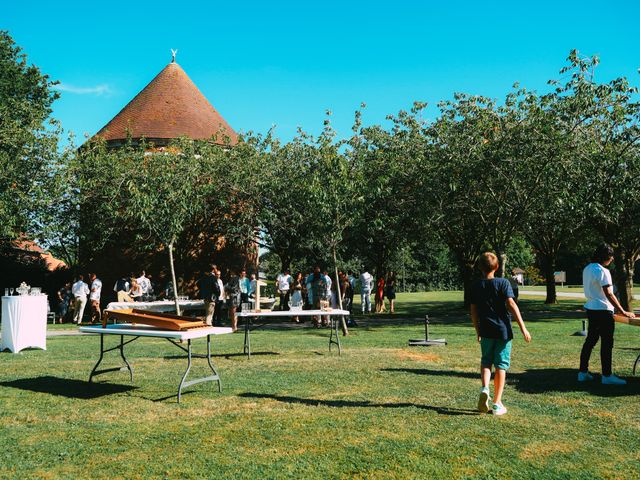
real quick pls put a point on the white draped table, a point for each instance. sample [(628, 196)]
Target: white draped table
[(24, 322)]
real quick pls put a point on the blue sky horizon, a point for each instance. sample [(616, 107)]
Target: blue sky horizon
[(285, 64)]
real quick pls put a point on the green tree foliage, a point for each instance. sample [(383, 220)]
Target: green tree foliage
[(28, 138), (609, 161)]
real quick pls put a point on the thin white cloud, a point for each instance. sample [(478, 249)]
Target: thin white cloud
[(99, 90)]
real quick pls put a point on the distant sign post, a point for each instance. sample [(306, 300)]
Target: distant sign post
[(560, 277)]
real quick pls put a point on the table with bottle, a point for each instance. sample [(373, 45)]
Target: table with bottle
[(24, 319)]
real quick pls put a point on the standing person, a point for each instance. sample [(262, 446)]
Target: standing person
[(296, 295), (315, 289), (234, 295), (352, 290), (208, 292), (64, 299), (245, 288), (513, 280), (94, 296), (380, 308), (79, 290), (221, 296), (122, 287), (307, 290), (600, 305), (366, 282), (390, 292), (327, 295), (145, 285), (253, 289), (492, 305), (135, 292), (283, 284)]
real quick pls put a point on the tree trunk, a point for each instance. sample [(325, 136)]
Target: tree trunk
[(173, 278), (467, 280), (625, 263), (345, 330), (285, 262), (549, 267), (502, 262)]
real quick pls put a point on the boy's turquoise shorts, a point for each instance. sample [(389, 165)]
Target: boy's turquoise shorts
[(495, 352)]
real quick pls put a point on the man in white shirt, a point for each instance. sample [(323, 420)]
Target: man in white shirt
[(366, 282), (79, 290), (600, 306), (94, 297), (145, 285), (283, 284)]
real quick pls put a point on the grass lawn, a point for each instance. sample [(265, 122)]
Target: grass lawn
[(294, 410)]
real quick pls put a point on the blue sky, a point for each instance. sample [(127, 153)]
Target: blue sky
[(285, 63)]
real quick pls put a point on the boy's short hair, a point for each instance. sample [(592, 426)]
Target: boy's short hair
[(602, 253), (488, 262)]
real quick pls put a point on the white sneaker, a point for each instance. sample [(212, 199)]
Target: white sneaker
[(584, 377), (483, 401), (498, 409), (613, 380)]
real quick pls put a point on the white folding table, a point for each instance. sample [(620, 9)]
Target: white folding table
[(332, 314), (24, 322), (175, 337)]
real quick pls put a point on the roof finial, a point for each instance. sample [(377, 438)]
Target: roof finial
[(173, 55)]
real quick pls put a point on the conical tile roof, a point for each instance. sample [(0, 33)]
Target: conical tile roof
[(170, 106)]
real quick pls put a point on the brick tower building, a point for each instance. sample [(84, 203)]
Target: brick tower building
[(169, 107)]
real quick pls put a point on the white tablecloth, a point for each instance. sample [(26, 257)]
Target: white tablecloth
[(24, 322), (159, 306)]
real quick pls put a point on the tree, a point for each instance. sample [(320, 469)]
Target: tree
[(390, 203), (28, 138), (611, 163), (335, 190), (556, 209)]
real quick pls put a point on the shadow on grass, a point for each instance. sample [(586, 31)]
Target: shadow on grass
[(537, 381), (311, 402), (445, 313), (219, 355), (66, 387)]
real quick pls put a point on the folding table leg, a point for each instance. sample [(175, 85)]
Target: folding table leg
[(120, 347), (334, 331), (211, 378), (247, 337)]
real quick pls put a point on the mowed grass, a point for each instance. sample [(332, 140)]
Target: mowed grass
[(294, 410)]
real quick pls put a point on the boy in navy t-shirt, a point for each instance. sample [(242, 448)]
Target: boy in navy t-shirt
[(492, 304)]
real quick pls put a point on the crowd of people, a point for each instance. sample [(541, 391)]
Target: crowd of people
[(238, 289), (72, 299), (300, 291), (317, 286)]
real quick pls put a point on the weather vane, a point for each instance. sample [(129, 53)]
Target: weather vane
[(173, 55)]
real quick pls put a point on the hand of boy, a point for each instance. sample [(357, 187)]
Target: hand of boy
[(527, 335)]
